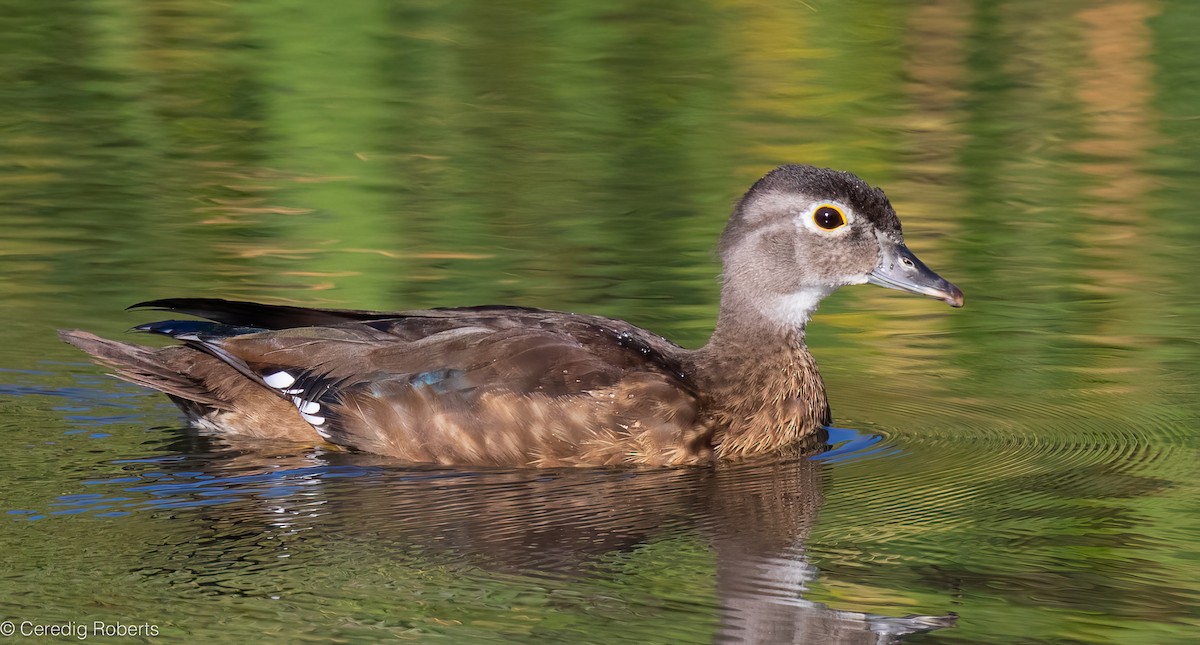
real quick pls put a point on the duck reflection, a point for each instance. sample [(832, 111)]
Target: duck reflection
[(571, 522)]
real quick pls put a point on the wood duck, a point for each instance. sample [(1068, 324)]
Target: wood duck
[(515, 386)]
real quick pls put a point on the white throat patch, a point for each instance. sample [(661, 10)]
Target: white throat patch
[(794, 309)]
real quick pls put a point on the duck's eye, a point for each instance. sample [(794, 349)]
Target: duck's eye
[(829, 218)]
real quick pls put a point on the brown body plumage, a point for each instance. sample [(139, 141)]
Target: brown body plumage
[(530, 387)]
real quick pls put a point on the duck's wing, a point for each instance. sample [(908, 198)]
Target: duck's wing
[(499, 385), (421, 335), (264, 316)]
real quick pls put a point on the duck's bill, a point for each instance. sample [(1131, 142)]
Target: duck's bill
[(902, 269)]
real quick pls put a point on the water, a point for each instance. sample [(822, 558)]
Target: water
[(1022, 470)]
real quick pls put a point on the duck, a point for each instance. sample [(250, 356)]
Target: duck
[(511, 386)]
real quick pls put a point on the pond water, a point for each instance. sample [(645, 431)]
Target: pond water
[(1023, 470)]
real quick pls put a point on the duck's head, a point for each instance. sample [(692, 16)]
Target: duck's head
[(801, 232)]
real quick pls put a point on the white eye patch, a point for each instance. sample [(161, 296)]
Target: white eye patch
[(827, 218)]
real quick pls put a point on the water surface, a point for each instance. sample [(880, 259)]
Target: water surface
[(1021, 470)]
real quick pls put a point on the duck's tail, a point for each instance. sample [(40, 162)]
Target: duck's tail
[(146, 366)]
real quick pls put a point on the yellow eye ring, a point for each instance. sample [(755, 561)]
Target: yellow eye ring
[(828, 217)]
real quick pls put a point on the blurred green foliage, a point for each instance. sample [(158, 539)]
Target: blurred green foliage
[(1041, 479)]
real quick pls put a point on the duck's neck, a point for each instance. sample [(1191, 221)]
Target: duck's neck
[(764, 390)]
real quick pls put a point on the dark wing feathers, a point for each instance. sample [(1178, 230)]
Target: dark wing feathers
[(254, 314), (415, 325), (184, 329), (206, 337), (420, 336), (455, 360)]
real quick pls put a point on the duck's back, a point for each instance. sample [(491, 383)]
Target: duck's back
[(478, 385)]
